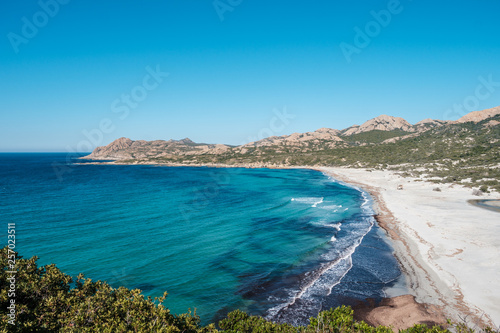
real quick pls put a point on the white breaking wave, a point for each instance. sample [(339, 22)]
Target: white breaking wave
[(317, 202), (335, 225), (313, 201), (334, 208), (367, 201)]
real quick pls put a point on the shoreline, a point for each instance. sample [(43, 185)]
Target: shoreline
[(417, 220)]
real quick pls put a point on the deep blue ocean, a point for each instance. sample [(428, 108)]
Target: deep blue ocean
[(284, 244)]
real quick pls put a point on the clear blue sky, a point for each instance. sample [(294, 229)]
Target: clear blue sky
[(231, 66)]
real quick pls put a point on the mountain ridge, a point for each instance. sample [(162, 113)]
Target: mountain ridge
[(383, 129)]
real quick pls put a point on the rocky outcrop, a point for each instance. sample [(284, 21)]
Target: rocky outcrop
[(427, 124), (381, 123), (432, 122), (492, 123), (397, 138), (114, 150), (326, 136), (477, 116), (124, 148), (388, 123)]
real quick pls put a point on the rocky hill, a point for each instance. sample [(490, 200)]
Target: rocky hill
[(319, 139), (477, 116), (125, 149), (380, 123), (428, 123)]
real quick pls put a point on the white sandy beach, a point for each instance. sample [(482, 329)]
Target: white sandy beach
[(449, 249)]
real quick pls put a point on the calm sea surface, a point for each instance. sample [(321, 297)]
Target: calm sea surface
[(280, 243)]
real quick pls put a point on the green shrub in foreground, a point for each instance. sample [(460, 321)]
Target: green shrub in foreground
[(46, 303)]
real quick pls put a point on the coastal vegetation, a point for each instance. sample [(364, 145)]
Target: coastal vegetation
[(48, 300)]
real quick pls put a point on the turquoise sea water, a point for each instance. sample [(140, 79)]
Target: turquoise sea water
[(279, 243)]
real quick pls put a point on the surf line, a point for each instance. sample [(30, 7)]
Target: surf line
[(347, 256), (368, 210)]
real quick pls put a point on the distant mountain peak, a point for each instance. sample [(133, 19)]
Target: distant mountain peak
[(425, 121), (395, 121), (381, 123), (431, 123), (327, 130), (477, 116), (186, 140), (121, 143), (384, 117), (323, 135)]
